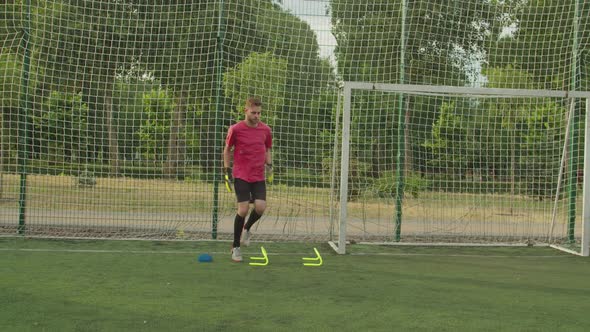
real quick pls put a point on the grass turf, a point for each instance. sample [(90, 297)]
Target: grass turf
[(82, 285)]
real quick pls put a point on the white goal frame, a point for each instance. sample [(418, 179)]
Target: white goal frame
[(340, 245)]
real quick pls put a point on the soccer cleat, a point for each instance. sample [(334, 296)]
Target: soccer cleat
[(246, 237), (236, 255)]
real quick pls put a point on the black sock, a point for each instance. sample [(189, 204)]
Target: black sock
[(252, 219), (238, 226)]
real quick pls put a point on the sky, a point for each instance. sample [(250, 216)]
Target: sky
[(314, 13)]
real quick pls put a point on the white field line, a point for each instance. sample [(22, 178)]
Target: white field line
[(140, 252), (182, 252)]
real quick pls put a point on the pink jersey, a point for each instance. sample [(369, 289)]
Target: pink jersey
[(250, 145)]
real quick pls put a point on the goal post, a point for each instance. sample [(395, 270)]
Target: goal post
[(585, 248), (481, 167)]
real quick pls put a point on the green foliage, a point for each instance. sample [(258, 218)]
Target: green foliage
[(10, 75), (131, 87), (449, 135), (521, 141), (358, 173), (509, 76), (321, 129), (86, 179), (191, 134), (358, 177), (11, 15), (147, 76), (63, 127), (154, 130), (369, 39), (530, 136), (487, 185), (374, 127), (262, 75), (301, 178), (370, 49), (138, 170), (386, 185), (544, 127), (78, 48), (539, 45)]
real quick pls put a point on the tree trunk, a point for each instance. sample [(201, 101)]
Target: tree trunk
[(176, 146), (1, 154), (113, 139), (408, 159)]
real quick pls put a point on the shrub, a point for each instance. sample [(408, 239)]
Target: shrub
[(86, 179), (386, 186)]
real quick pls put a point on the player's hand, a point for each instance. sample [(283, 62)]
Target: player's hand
[(269, 173), (228, 178)]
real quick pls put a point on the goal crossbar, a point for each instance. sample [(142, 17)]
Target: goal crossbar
[(472, 91)]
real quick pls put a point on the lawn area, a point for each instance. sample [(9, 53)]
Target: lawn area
[(99, 285)]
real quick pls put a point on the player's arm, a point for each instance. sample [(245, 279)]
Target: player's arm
[(268, 165), (227, 174), (268, 157), (227, 152), (228, 147)]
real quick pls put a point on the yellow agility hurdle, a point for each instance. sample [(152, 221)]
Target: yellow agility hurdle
[(318, 261), (263, 258)]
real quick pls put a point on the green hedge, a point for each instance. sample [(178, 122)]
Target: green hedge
[(384, 186), (126, 170)]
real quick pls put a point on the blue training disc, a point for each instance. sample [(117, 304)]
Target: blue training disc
[(205, 258)]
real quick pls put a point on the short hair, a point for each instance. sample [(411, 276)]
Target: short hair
[(253, 101)]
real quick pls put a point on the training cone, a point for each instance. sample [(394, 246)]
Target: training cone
[(205, 258)]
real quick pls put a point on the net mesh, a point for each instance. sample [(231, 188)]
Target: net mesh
[(475, 169), (114, 112)]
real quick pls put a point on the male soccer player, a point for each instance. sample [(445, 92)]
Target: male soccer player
[(251, 142)]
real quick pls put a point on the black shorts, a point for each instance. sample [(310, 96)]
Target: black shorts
[(249, 191)]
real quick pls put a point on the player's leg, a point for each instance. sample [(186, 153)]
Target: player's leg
[(239, 221), (243, 197), (259, 196)]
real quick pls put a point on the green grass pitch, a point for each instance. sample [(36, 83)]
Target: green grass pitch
[(85, 285)]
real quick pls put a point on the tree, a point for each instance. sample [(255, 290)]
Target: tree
[(128, 109), (541, 42), (154, 131), (441, 39), (448, 142), (63, 128), (10, 73), (543, 138), (262, 27), (10, 76), (82, 47), (261, 75), (501, 119), (181, 43), (78, 48), (518, 140)]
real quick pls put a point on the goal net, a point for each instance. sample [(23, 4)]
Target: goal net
[(425, 164), (114, 114)]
